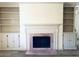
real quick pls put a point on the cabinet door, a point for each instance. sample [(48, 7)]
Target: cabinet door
[(17, 40), (69, 40), (0, 40), (4, 40), (11, 42)]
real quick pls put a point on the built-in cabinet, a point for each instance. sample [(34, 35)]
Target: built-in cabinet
[(68, 23), (69, 40), (9, 28), (9, 41), (69, 35), (9, 19)]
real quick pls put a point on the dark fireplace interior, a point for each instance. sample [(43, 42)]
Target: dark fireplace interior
[(41, 41)]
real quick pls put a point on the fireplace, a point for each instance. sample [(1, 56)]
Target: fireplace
[(41, 41)]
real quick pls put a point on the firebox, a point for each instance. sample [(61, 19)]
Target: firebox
[(41, 41)]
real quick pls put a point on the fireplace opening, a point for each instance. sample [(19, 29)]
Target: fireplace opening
[(41, 41)]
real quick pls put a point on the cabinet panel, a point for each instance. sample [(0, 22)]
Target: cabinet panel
[(11, 41), (69, 40), (0, 40), (4, 40), (17, 40)]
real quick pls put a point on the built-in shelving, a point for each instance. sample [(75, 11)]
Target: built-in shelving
[(68, 19), (9, 19)]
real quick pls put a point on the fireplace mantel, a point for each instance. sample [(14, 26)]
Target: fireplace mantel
[(45, 29)]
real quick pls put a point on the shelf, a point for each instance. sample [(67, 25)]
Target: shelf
[(10, 24), (68, 18), (10, 32), (10, 12), (9, 9), (9, 18), (68, 24), (69, 12)]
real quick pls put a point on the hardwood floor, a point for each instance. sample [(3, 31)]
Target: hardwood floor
[(11, 53)]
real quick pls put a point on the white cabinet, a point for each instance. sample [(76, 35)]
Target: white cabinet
[(9, 41), (9, 28), (4, 40), (69, 40), (0, 39), (13, 41), (17, 40)]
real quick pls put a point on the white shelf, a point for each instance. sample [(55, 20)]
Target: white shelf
[(10, 12), (68, 24), (9, 18), (10, 24), (69, 12), (68, 18)]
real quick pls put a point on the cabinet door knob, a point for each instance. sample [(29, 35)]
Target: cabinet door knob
[(18, 35), (6, 35)]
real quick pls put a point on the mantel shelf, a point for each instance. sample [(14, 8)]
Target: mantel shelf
[(42, 24)]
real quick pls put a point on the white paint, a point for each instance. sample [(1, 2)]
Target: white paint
[(40, 13)]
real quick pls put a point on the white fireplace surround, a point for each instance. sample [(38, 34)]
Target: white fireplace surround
[(33, 29)]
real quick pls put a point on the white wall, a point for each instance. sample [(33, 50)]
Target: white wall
[(41, 13)]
